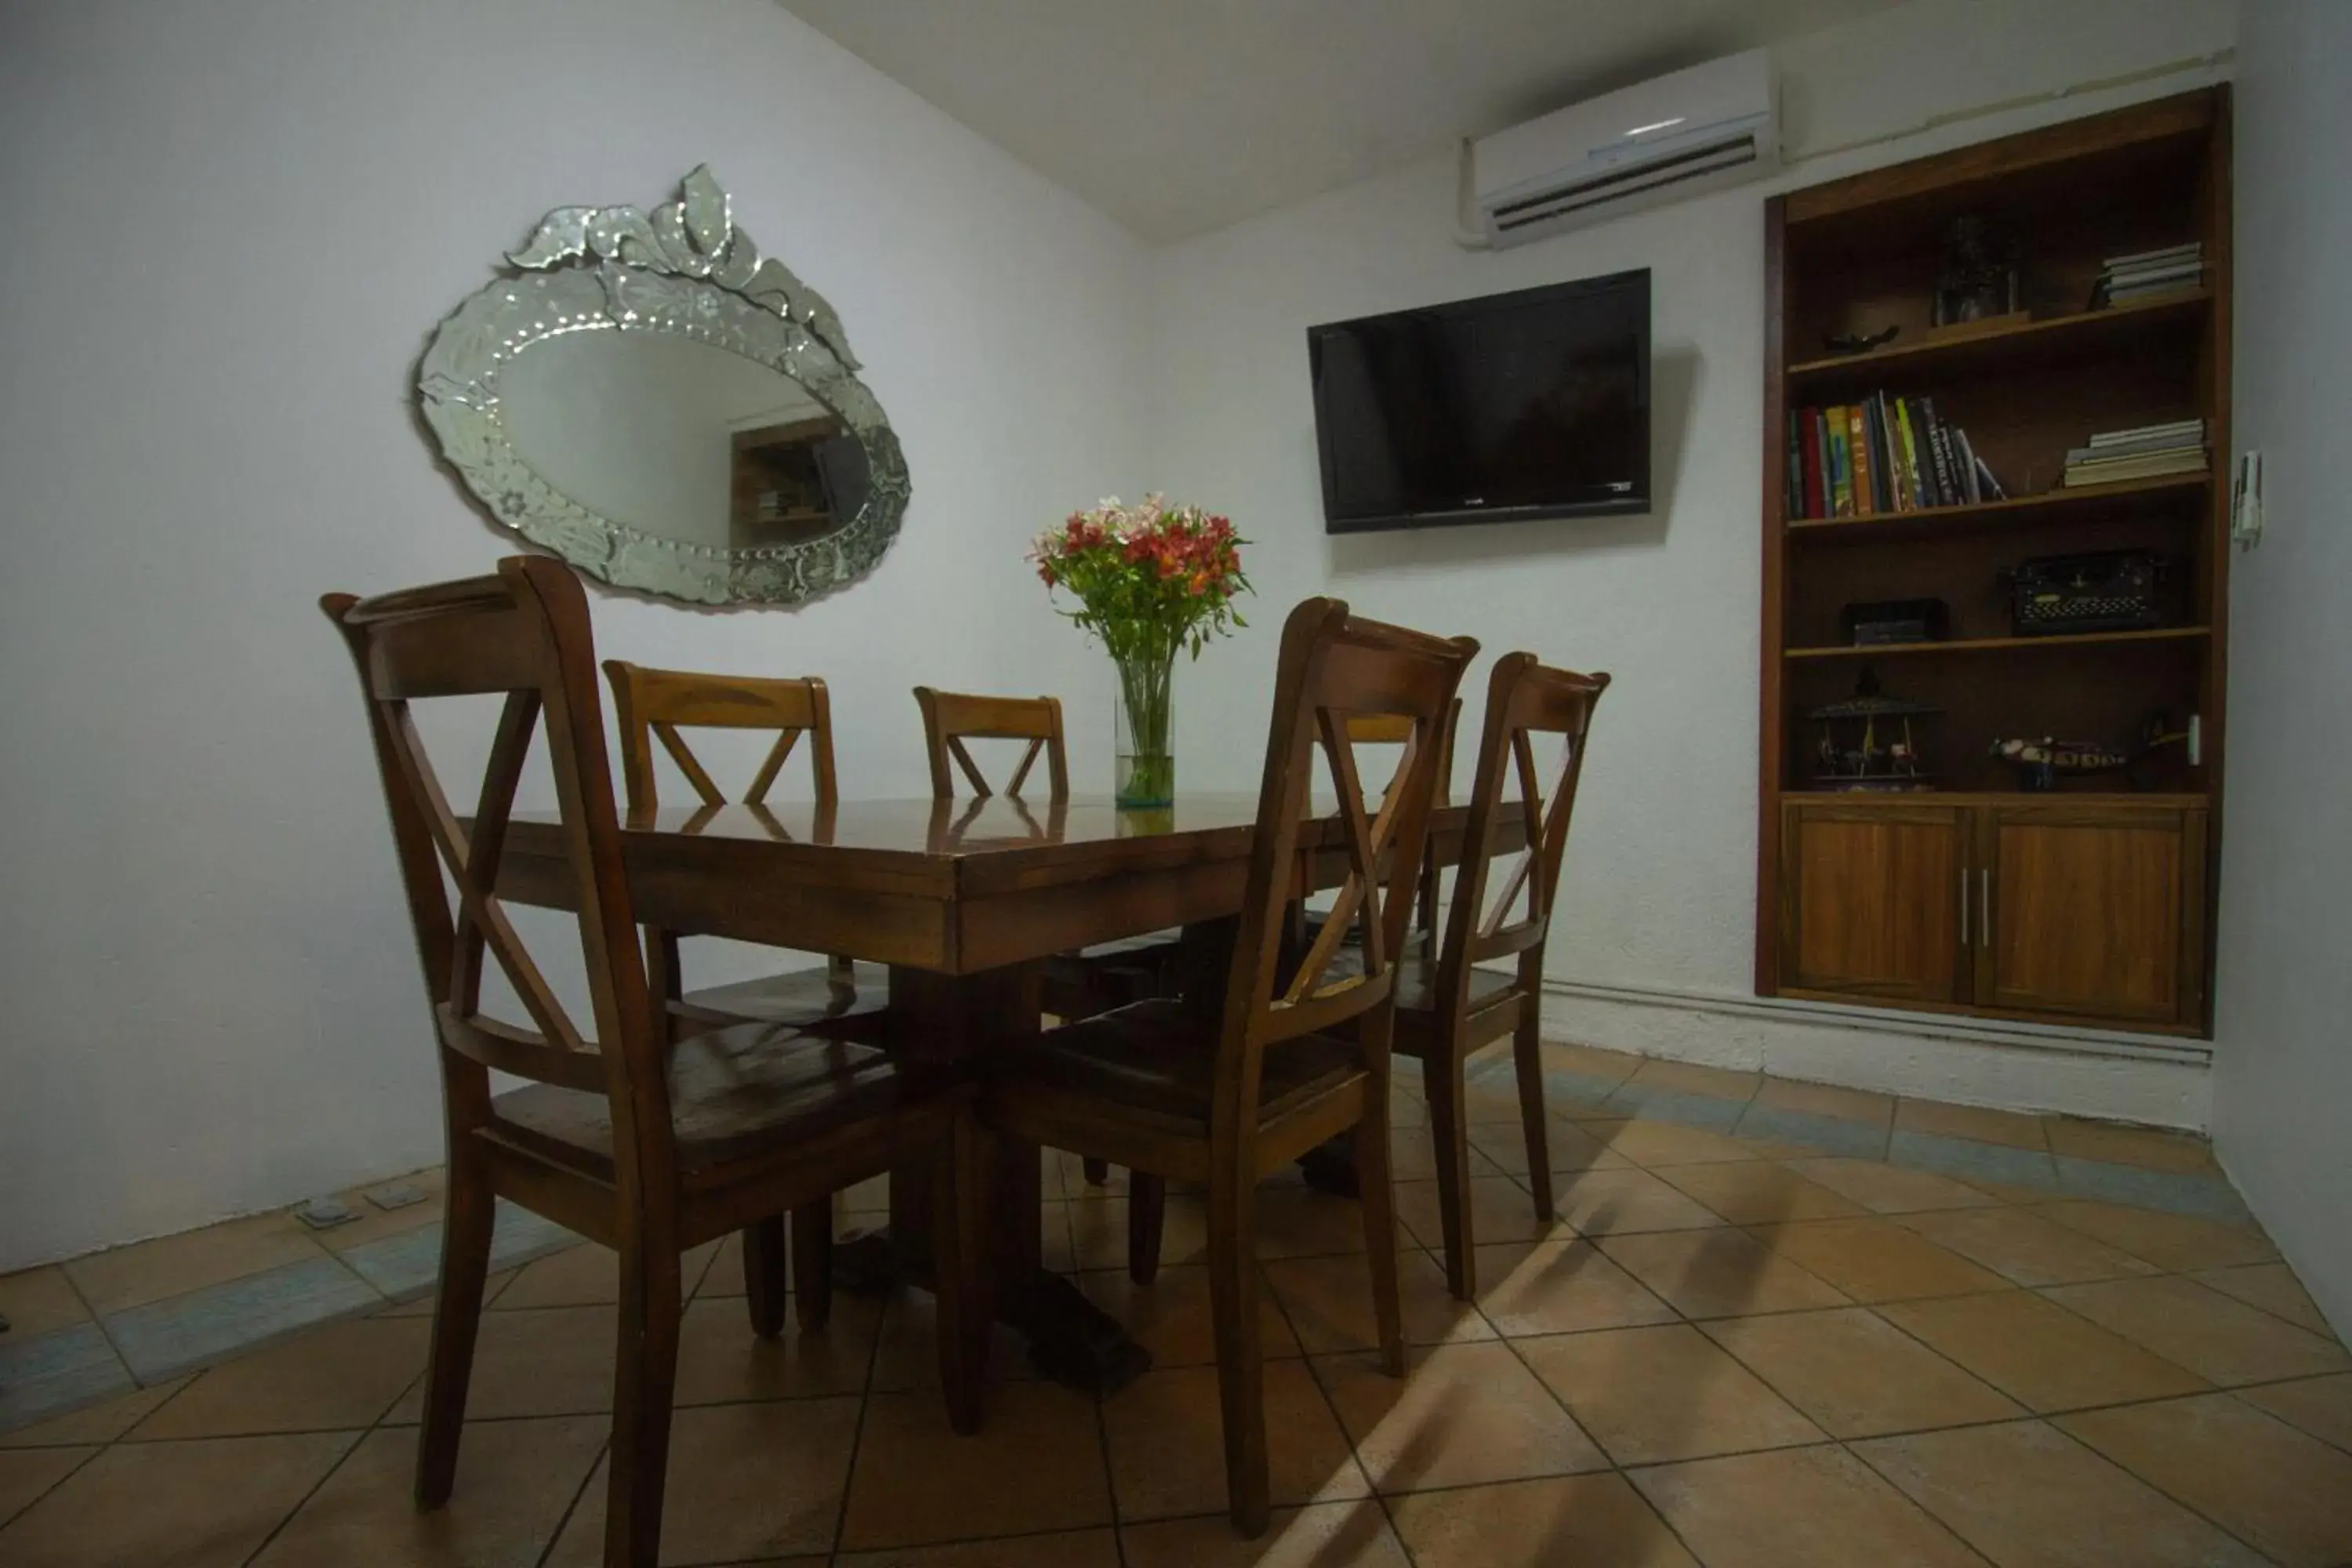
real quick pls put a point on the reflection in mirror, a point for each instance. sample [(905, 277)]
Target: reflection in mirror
[(652, 399), (682, 440)]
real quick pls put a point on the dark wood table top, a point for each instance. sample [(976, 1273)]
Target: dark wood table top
[(956, 886)]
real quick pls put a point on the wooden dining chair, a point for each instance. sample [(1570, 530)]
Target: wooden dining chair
[(647, 1148), (1227, 1091), (951, 718), (652, 705), (1450, 1005)]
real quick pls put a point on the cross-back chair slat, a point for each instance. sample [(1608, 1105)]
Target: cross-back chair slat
[(951, 718)]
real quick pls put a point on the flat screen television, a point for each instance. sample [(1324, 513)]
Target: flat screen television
[(1527, 404)]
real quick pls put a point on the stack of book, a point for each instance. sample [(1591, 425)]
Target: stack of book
[(1882, 455), (2123, 278), (2145, 452)]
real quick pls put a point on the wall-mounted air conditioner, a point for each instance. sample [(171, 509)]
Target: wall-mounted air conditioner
[(1699, 129)]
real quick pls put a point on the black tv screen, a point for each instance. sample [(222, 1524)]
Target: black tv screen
[(1533, 404)]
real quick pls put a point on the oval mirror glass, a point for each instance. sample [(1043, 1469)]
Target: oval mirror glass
[(683, 439)]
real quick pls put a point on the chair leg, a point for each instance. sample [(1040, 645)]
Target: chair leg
[(1378, 1197), (1526, 1052), (763, 1275), (465, 1226), (812, 1264), (1147, 1210), (1240, 1372), (1449, 1134), (644, 1379), (959, 1232), (1098, 1172)]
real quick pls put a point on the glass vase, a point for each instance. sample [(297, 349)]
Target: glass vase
[(1144, 723)]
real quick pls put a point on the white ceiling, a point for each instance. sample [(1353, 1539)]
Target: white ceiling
[(1180, 116)]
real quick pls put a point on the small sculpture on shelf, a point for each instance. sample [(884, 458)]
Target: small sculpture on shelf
[(1866, 742), (1859, 342), (2042, 764), (1978, 280)]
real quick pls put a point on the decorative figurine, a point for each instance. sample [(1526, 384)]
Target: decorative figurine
[(1853, 752), (2042, 764), (1979, 274), (1858, 342)]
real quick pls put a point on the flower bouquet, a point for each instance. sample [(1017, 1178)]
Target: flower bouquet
[(1150, 579)]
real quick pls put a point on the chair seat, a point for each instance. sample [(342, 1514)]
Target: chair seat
[(800, 998), (1416, 978), (734, 1092), (1154, 1058), (1094, 980)]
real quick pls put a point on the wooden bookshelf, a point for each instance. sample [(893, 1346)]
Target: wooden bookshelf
[(2089, 903)]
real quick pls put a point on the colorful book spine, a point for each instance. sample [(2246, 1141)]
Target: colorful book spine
[(1841, 466), (1857, 436), (1811, 497)]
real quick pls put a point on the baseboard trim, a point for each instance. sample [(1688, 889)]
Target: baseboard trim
[(2155, 1079)]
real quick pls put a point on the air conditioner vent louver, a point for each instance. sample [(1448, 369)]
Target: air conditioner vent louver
[(1621, 184), (1700, 130)]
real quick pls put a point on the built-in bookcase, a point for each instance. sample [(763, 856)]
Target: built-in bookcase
[(1857, 255)]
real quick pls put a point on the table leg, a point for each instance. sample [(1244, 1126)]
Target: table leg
[(1071, 1340)]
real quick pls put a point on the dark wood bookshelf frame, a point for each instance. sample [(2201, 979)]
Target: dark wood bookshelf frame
[(2148, 174)]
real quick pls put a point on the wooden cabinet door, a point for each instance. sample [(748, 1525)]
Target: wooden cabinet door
[(1870, 900), (2096, 911)]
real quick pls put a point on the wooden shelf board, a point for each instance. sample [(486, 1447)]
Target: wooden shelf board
[(1996, 645), (2082, 798), (1985, 516), (2077, 330)]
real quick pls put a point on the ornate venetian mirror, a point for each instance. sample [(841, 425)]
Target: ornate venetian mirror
[(649, 398)]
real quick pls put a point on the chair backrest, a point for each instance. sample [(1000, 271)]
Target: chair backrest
[(1334, 669), (522, 633), (655, 704), (951, 718), (1524, 699)]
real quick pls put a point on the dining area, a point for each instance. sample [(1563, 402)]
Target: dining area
[(1011, 980)]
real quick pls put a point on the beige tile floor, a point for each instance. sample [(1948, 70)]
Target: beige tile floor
[(1731, 1352)]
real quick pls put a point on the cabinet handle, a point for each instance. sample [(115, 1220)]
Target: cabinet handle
[(1964, 906), (1984, 908)]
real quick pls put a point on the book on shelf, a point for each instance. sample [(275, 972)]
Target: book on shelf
[(2193, 430), (2155, 464), (1858, 441), (2143, 274), (2143, 452), (1882, 456)]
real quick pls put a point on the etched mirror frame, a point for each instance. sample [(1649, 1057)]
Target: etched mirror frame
[(684, 268)]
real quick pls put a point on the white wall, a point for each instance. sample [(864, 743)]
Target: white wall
[(1661, 881), (232, 227), (2282, 1052)]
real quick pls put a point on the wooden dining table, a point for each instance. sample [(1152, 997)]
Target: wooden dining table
[(963, 902)]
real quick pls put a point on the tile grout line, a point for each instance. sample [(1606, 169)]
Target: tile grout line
[(1282, 1309), (865, 1406), (76, 1469)]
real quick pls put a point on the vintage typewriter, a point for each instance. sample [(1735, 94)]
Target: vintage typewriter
[(2109, 590)]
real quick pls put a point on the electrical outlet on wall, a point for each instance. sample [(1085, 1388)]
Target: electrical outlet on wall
[(2246, 502)]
